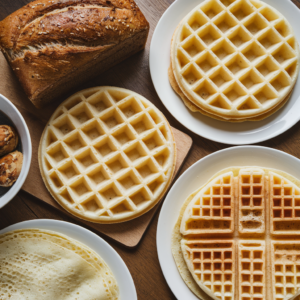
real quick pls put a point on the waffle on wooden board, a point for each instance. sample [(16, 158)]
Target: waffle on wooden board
[(107, 155), (238, 236)]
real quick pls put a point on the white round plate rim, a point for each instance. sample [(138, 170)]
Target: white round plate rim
[(189, 181), (90, 239), (218, 131), (13, 113)]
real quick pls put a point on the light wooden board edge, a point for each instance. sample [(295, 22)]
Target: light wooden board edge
[(128, 233)]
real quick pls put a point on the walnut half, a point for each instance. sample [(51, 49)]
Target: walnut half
[(10, 168), (8, 139)]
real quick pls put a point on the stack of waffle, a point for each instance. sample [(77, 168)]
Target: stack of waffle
[(234, 60)]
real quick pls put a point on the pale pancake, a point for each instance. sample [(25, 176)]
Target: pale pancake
[(50, 266)]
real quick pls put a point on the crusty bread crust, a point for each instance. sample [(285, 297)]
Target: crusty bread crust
[(48, 43)]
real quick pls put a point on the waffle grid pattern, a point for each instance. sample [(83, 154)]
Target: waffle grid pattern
[(251, 201), (257, 246), (213, 264), (213, 211), (252, 266), (285, 206), (108, 154), (286, 260), (235, 59)]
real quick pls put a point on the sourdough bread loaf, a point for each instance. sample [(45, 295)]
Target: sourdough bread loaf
[(52, 46)]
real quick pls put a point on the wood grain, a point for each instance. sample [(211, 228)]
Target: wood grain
[(134, 74)]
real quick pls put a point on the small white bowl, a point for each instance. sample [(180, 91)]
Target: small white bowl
[(12, 112)]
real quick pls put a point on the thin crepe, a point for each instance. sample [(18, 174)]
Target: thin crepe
[(40, 264)]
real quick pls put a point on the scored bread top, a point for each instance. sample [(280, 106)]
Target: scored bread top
[(235, 59), (261, 255), (107, 155), (45, 40)]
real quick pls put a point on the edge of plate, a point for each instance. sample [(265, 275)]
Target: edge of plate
[(161, 223)]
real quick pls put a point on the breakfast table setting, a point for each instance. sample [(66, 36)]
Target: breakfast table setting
[(131, 163)]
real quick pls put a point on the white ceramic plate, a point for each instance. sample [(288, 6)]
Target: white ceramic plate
[(195, 177), (110, 256), (16, 118), (223, 132)]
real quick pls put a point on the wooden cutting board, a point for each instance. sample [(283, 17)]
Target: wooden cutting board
[(128, 233)]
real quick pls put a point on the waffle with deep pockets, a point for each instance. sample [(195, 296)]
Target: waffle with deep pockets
[(107, 155), (238, 236), (234, 60), (212, 211)]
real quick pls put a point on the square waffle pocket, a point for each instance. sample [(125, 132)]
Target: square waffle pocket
[(107, 155), (234, 60), (238, 236)]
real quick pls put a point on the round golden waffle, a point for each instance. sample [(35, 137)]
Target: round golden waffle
[(235, 59), (238, 236), (107, 155)]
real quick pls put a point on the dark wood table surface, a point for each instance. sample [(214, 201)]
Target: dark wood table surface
[(134, 74)]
